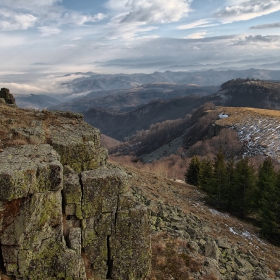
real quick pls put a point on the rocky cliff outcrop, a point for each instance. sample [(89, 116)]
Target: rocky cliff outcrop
[(6, 96), (64, 213)]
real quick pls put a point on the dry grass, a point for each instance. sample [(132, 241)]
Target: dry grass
[(167, 260), (172, 167), (238, 114), (109, 142), (13, 117)]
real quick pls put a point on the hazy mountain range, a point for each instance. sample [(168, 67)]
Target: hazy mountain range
[(96, 82), (95, 85), (239, 92)]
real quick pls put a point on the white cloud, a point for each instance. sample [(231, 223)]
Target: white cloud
[(10, 20), (49, 30), (149, 11), (23, 14), (30, 5), (198, 23), (258, 40), (196, 35), (8, 41), (128, 30), (266, 26), (22, 88), (245, 10), (76, 18), (76, 38)]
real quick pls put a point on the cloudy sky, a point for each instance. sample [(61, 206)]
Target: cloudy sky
[(42, 39)]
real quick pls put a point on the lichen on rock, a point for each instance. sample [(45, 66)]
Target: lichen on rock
[(64, 214), (115, 229), (29, 169)]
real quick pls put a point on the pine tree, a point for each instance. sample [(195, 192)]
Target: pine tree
[(192, 173), (229, 187), (244, 184), (268, 199), (220, 178), (206, 175)]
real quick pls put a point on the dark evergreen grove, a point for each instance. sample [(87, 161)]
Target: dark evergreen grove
[(237, 187)]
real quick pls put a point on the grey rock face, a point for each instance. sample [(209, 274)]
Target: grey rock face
[(112, 223), (29, 169), (61, 222), (78, 144), (35, 134)]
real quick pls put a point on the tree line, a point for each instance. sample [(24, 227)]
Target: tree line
[(241, 189)]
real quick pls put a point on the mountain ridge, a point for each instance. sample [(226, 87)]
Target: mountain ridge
[(55, 182)]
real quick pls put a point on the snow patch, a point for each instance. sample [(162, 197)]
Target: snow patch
[(215, 212), (233, 231), (223, 116)]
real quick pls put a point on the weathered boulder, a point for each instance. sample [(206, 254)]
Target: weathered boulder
[(212, 250), (223, 243), (29, 169), (77, 143)]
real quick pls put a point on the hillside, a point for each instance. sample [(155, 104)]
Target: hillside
[(123, 125), (237, 131), (257, 129), (64, 206), (129, 99), (251, 93), (192, 241)]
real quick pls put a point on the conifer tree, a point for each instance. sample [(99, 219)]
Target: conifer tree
[(192, 173), (229, 187), (220, 178), (244, 184), (268, 199), (206, 175)]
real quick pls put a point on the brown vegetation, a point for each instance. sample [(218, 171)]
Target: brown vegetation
[(169, 258), (108, 142), (226, 140), (172, 167)]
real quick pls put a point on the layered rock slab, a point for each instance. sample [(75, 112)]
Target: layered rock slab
[(115, 229), (29, 169), (77, 143)]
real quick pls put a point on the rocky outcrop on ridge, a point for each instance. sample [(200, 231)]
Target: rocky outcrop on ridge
[(64, 213), (6, 97)]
